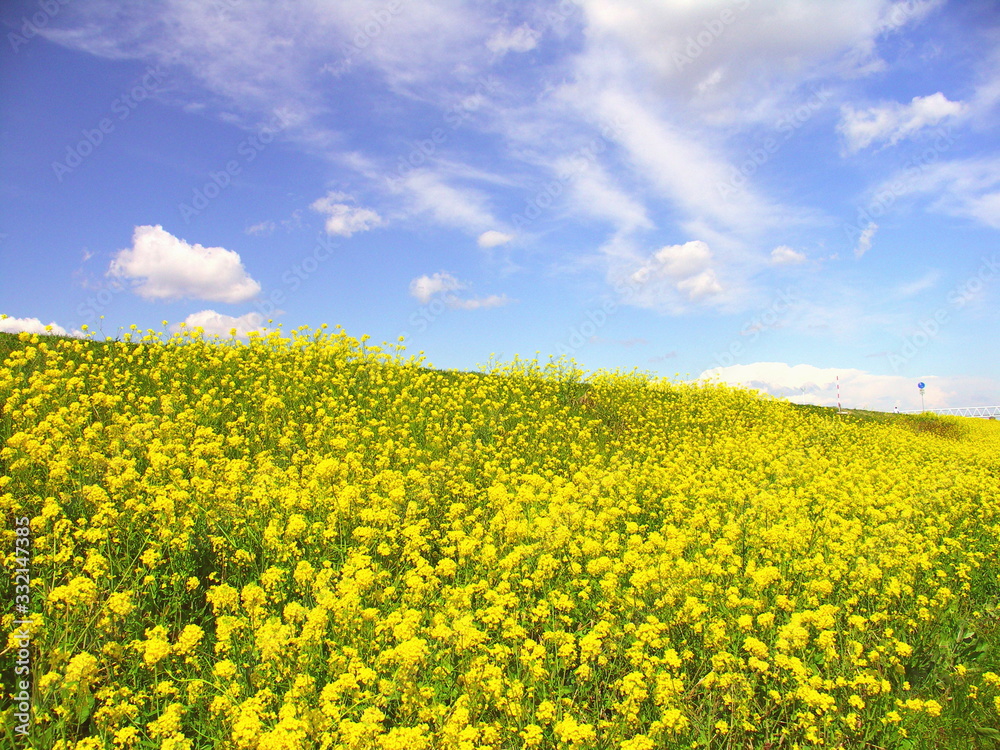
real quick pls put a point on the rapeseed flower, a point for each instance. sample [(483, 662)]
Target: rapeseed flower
[(305, 540)]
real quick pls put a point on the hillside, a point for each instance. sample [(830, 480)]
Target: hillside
[(310, 542)]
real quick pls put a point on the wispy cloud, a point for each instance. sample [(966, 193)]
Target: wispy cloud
[(961, 187), (521, 39), (493, 238), (783, 255), (261, 227), (891, 122), (865, 240), (443, 285), (427, 193), (912, 288), (476, 303)]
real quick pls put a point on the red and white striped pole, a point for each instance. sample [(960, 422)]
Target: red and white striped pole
[(838, 394)]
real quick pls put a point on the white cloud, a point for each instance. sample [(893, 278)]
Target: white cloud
[(865, 240), (686, 170), (985, 208), (891, 122), (217, 324), (595, 194), (704, 284), (425, 287), (912, 288), (166, 267), (733, 61), (493, 238), (962, 187), (806, 384), (463, 208), (669, 278), (783, 255), (676, 261), (32, 325), (521, 39), (343, 219), (254, 55), (904, 12), (476, 303), (263, 227)]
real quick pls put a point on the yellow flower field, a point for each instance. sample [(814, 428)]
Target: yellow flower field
[(307, 542)]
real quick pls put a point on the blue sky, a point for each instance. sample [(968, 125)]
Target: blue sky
[(782, 194)]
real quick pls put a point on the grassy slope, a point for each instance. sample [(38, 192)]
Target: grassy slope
[(614, 426)]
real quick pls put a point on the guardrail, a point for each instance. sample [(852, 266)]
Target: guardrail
[(985, 412)]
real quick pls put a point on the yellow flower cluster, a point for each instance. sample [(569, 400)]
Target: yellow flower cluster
[(304, 541)]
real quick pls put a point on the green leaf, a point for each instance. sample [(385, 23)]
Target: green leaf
[(989, 735), (83, 707)]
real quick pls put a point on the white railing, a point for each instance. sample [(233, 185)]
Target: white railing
[(986, 412)]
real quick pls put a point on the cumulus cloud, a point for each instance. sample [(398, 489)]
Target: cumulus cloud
[(891, 122), (344, 219), (521, 39), (806, 384), (783, 255), (865, 240), (683, 260), (162, 266), (425, 287), (32, 325), (699, 286), (218, 324), (493, 238), (685, 266)]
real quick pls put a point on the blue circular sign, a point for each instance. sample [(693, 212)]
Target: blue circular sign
[(920, 386)]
